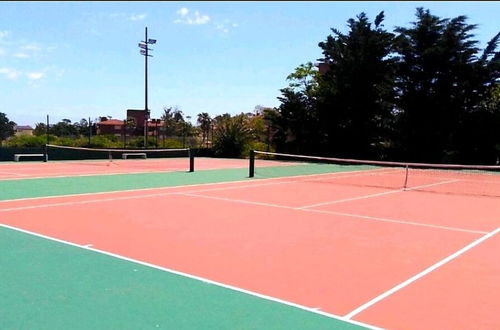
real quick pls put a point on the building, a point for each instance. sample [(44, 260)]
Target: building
[(23, 130), (110, 127), (132, 126), (136, 118)]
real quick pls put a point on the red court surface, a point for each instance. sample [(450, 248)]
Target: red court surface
[(457, 211), (463, 294), (390, 258), (26, 170)]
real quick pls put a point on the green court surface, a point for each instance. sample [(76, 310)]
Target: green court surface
[(46, 284), (59, 186)]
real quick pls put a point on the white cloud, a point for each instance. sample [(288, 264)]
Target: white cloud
[(35, 75), (121, 16), (191, 19), (2, 52), (30, 50), (222, 28), (3, 34), (32, 77), (226, 26), (138, 17), (21, 55), (31, 47), (9, 73), (183, 11)]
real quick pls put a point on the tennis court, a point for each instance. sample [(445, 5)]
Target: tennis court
[(296, 246)]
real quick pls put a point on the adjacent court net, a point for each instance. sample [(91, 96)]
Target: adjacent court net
[(477, 180), (153, 159)]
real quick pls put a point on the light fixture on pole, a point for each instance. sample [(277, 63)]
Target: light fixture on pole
[(143, 45)]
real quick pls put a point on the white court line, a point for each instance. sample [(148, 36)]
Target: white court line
[(349, 199), (194, 277), (421, 274), (91, 174), (10, 173), (432, 184), (141, 171), (89, 201), (174, 187), (194, 193), (133, 197), (376, 195), (401, 222)]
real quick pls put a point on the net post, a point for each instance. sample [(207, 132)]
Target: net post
[(252, 164), (406, 177), (191, 160)]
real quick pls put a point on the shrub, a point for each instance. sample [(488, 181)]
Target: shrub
[(28, 141), (256, 145), (231, 136)]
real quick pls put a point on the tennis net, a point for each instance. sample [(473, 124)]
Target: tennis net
[(152, 159), (477, 180)]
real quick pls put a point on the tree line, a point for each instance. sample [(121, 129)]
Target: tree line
[(423, 93), (419, 93), (228, 136)]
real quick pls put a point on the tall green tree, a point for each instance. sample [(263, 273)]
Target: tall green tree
[(6, 127), (294, 123), (441, 81), (355, 95), (478, 136)]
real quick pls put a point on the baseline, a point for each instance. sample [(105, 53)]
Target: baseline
[(194, 277)]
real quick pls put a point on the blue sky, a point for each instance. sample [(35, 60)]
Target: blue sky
[(81, 59)]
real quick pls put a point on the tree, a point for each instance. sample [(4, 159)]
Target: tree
[(64, 128), (173, 121), (478, 137), (40, 129), (354, 99), (82, 127), (294, 123), (304, 78), (204, 121), (231, 135), (6, 127), (441, 82)]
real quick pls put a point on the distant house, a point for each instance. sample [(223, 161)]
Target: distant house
[(23, 130), (135, 127), (110, 127)]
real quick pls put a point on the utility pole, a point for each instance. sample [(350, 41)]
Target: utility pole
[(143, 45)]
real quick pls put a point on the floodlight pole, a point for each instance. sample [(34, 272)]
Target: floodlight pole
[(145, 52), (47, 144), (146, 92)]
